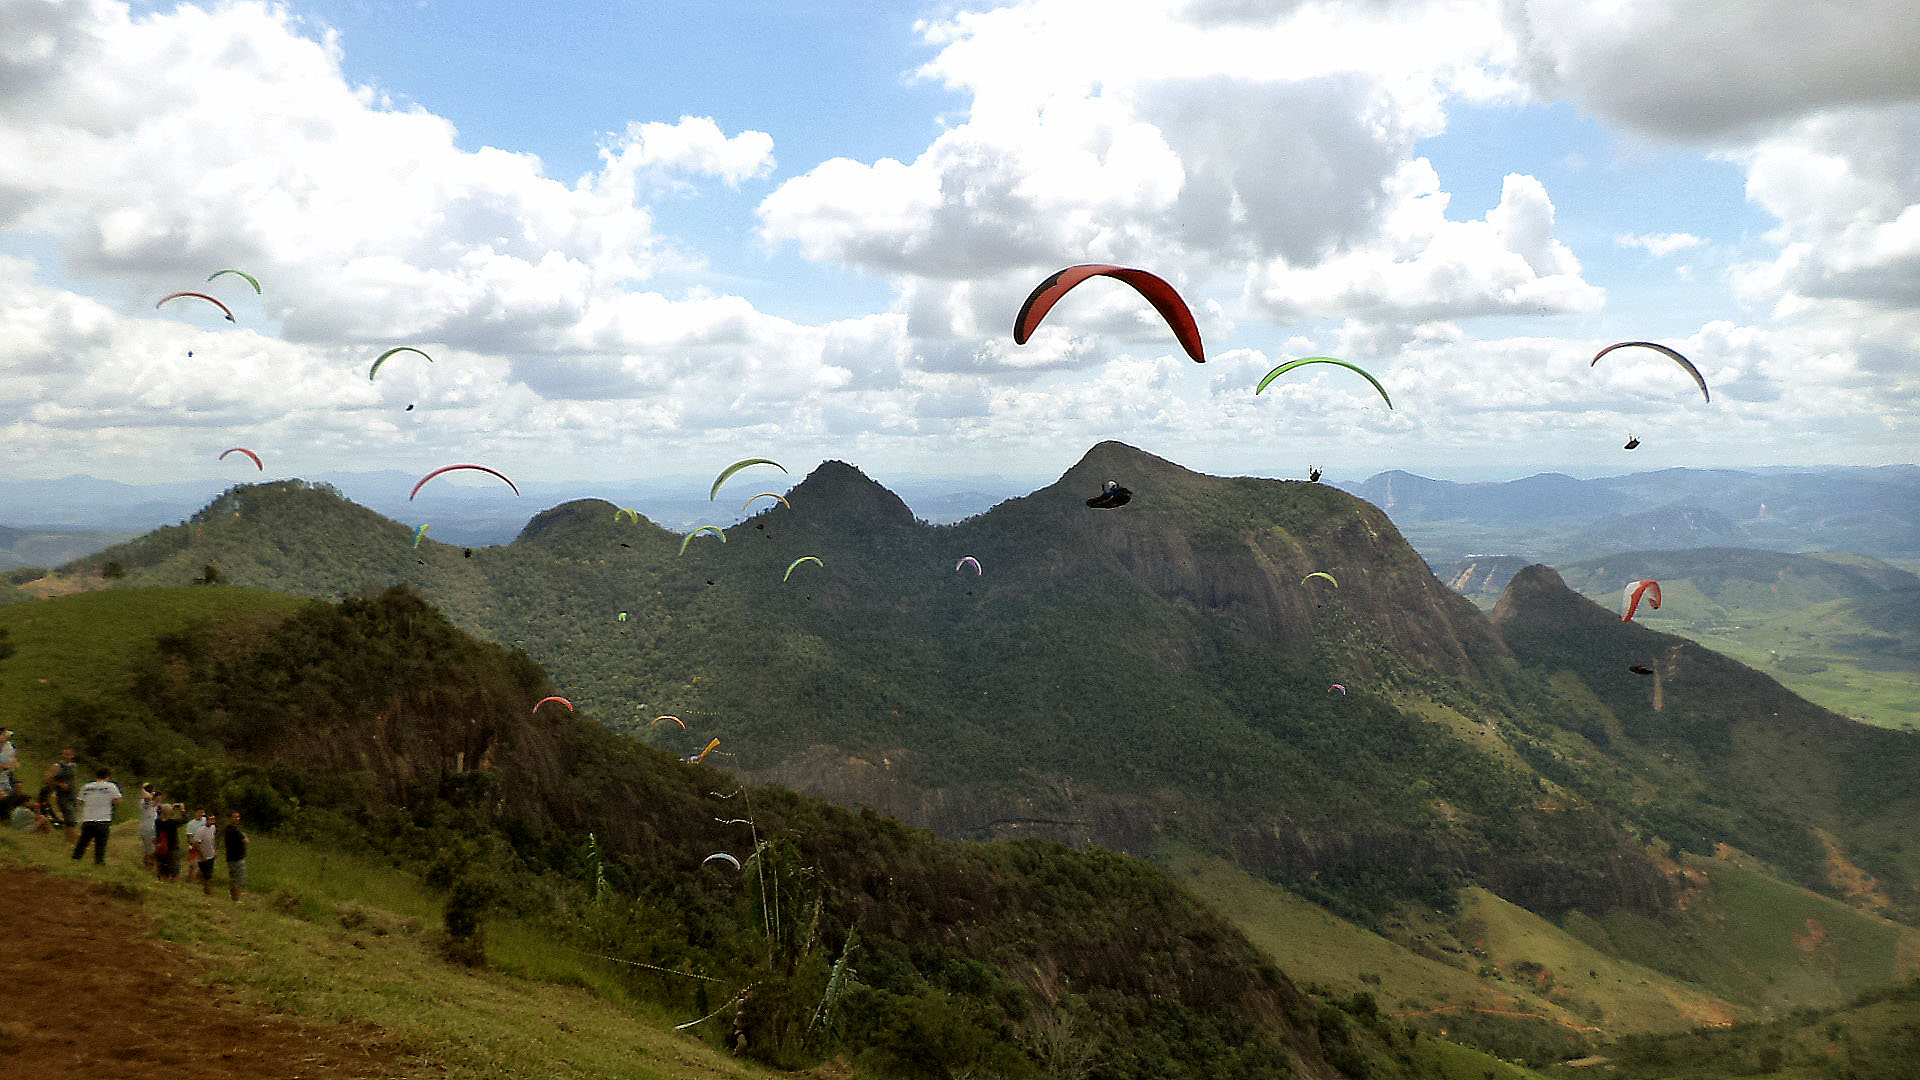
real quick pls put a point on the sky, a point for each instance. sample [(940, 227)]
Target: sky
[(645, 240)]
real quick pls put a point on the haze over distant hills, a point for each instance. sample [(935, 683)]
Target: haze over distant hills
[(465, 514), (1549, 517), (1554, 518)]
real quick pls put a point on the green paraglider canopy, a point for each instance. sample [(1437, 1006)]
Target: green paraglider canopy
[(1320, 574), (251, 280), (798, 561), (382, 358), (1291, 364), (714, 529), (736, 467)]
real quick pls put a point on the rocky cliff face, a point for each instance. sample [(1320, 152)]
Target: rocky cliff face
[(1238, 549)]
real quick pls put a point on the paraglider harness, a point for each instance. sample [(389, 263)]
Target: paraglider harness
[(1113, 495)]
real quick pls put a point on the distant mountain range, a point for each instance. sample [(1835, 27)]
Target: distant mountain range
[(34, 547), (78, 505), (1549, 517), (1556, 519)]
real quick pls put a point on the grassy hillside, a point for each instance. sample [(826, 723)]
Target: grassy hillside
[(93, 643), (1876, 1037), (369, 928), (966, 954), (1762, 944), (1746, 947), (1489, 957), (1707, 751)]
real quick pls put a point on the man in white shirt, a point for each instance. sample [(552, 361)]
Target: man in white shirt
[(97, 802), (203, 838)]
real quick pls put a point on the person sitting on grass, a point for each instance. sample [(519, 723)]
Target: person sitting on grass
[(44, 810)]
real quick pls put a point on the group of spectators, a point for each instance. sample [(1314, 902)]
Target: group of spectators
[(86, 813)]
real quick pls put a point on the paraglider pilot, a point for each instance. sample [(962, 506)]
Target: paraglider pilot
[(1110, 496)]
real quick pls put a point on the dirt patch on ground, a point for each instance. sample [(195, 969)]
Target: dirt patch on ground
[(62, 585), (88, 986), (1858, 885)]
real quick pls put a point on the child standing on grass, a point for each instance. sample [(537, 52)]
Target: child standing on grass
[(236, 844)]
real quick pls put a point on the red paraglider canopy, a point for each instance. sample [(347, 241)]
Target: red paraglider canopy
[(249, 453), (1158, 293), (1637, 589), (544, 700), (451, 468), (198, 296)]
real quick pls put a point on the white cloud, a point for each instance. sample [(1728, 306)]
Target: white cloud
[(1659, 245), (1695, 68), (157, 147), (1262, 157), (1425, 267), (1212, 145), (695, 146), (1845, 187)]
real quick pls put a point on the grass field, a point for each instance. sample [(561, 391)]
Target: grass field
[(1764, 944), (1748, 947), (328, 937)]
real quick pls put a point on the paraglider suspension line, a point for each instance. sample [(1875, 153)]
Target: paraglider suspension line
[(638, 964)]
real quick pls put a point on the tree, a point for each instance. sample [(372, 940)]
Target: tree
[(113, 571), (209, 575)]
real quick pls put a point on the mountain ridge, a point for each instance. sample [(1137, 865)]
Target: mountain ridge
[(1111, 675)]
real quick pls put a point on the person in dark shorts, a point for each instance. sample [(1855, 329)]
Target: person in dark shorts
[(98, 801), (203, 840), (234, 839), (166, 841), (64, 779)]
